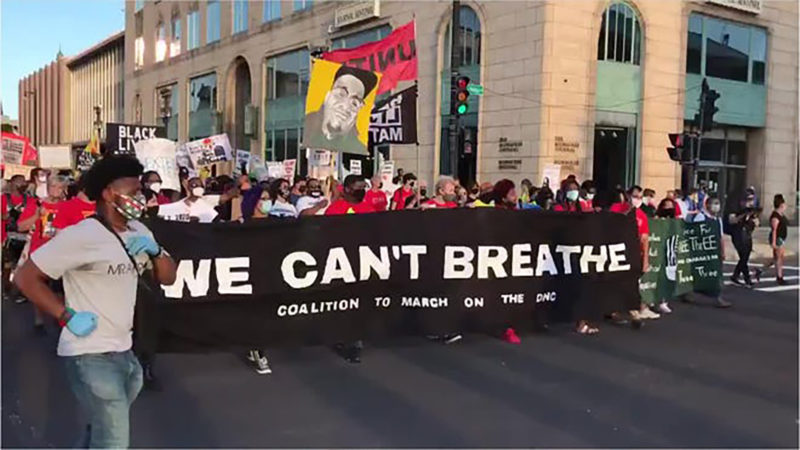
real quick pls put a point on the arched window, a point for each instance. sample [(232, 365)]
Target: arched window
[(620, 35), (470, 56), (137, 109), (175, 41), (161, 41)]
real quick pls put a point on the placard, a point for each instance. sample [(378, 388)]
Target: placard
[(288, 169), (159, 155), (274, 169), (210, 150), (121, 137), (355, 166), (55, 157), (9, 170), (551, 175)]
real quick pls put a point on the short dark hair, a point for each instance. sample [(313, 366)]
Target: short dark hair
[(649, 193), (408, 177), (778, 200), (634, 188), (368, 79), (17, 177), (352, 179), (108, 170), (147, 175)]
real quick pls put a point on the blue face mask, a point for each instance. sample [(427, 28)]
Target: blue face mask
[(572, 196)]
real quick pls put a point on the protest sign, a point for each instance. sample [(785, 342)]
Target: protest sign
[(318, 158), (355, 166), (13, 148), (9, 170), (55, 157), (159, 155), (395, 56), (209, 150), (242, 161), (394, 120), (257, 169), (85, 160), (684, 257), (379, 275), (288, 169), (338, 106), (274, 169), (121, 137), (387, 175)]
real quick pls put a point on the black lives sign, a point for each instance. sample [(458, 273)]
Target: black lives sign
[(120, 137)]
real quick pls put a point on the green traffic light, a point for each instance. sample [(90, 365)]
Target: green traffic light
[(462, 108)]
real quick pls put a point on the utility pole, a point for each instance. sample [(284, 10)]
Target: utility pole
[(455, 64), (98, 123)]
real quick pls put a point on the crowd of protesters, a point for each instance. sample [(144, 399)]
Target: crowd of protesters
[(117, 193)]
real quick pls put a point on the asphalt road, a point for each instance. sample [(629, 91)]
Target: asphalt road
[(702, 377)]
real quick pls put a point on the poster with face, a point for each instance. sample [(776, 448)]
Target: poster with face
[(338, 107)]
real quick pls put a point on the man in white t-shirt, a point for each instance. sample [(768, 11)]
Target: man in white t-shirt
[(314, 201), (192, 208), (100, 260)]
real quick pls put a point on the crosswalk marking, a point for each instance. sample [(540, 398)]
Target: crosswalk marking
[(764, 280), (779, 288), (752, 264)]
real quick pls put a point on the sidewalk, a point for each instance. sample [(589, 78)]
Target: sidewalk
[(761, 248)]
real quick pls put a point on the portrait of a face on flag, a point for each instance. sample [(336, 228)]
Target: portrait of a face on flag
[(338, 107)]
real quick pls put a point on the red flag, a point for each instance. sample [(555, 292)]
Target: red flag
[(395, 56)]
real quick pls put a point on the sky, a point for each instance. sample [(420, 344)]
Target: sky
[(31, 32)]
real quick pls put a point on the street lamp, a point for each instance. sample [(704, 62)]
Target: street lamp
[(32, 94)]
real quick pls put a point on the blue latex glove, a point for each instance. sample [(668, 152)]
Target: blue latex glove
[(140, 243), (82, 323)]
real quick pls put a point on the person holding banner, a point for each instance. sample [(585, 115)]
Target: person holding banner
[(404, 192), (711, 212), (375, 197), (314, 201), (100, 261), (192, 208), (445, 195)]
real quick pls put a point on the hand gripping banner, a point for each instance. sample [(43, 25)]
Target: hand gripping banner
[(328, 279)]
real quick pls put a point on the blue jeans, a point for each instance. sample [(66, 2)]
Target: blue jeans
[(106, 384)]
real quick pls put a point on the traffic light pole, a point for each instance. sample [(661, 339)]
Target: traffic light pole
[(696, 151), (455, 63)]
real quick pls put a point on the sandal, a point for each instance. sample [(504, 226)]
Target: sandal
[(586, 329)]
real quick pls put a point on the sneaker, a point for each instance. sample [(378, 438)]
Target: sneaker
[(451, 338), (20, 299), (720, 303), (647, 314), (736, 281), (511, 337), (252, 355), (663, 308), (262, 366)]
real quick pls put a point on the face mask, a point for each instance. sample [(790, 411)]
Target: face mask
[(131, 208), (450, 197), (647, 200), (42, 178), (198, 191), (315, 194), (359, 195), (155, 187), (572, 195), (714, 208), (265, 204), (636, 202), (667, 212), (590, 196)]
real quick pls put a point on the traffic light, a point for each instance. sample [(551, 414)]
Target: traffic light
[(708, 107), (681, 149), (462, 95)]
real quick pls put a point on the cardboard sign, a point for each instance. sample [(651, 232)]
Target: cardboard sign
[(288, 169), (274, 169), (355, 166), (387, 174), (16, 169), (159, 155), (318, 158), (242, 159), (257, 169), (210, 150), (121, 137), (55, 157), (13, 148), (85, 160)]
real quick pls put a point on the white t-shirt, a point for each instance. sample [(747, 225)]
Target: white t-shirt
[(98, 277), (281, 209), (181, 212), (305, 202)]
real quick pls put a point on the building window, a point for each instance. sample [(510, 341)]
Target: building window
[(137, 109), (287, 84), (138, 43), (169, 109), (161, 42), (138, 5), (193, 30), (212, 21), (620, 35), (301, 5), (470, 55), (239, 16), (724, 49), (175, 43), (202, 106), (272, 10), (361, 38)]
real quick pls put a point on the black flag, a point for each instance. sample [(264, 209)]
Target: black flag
[(394, 120)]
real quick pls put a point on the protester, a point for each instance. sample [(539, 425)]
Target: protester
[(569, 201), (711, 212), (74, 210), (250, 196), (544, 198), (151, 186), (693, 205), (375, 197), (298, 190), (463, 196), (525, 197), (38, 182), (39, 222), (743, 222), (647, 204), (16, 202), (673, 197), (779, 226), (405, 191), (97, 313), (314, 201), (587, 194), (444, 197), (279, 205), (192, 208)]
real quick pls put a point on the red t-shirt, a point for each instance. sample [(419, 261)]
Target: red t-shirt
[(43, 229), (16, 202), (586, 205), (400, 196), (641, 218), (566, 207), (432, 203), (377, 200), (72, 211), (342, 206)]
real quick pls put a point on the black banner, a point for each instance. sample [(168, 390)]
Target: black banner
[(120, 137), (394, 120), (326, 279)]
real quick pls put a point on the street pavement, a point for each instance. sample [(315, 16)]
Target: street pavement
[(702, 377)]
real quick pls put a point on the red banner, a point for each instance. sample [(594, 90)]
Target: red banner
[(17, 149), (395, 57)]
